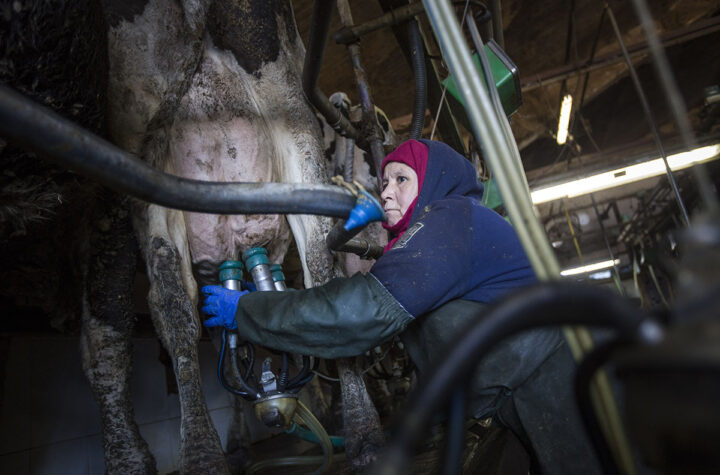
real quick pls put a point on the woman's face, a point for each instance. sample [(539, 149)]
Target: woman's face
[(400, 187)]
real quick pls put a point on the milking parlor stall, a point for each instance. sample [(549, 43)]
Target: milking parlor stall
[(203, 268)]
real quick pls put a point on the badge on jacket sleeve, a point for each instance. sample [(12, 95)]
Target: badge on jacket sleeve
[(408, 235)]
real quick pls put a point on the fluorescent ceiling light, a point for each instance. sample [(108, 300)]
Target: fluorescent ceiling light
[(564, 119), (625, 175), (590, 267)]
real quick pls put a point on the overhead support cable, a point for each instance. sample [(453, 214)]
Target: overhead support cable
[(648, 115), (618, 281), (677, 104)]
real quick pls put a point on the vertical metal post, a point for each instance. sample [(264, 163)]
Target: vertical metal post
[(513, 185), (368, 107), (496, 12)]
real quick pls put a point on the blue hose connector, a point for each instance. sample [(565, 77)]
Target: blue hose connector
[(367, 209)]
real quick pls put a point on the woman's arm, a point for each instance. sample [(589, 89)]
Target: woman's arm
[(344, 317)]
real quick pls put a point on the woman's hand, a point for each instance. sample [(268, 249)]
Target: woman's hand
[(221, 304)]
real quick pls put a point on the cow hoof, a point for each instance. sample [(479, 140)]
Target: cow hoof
[(367, 456)]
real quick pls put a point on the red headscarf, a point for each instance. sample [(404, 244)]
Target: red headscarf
[(415, 155)]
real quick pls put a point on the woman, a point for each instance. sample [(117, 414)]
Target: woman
[(448, 256)]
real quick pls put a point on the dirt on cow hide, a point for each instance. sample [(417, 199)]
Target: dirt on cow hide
[(54, 52)]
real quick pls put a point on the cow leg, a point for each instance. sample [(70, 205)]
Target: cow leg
[(105, 338), (362, 429), (363, 432), (173, 305)]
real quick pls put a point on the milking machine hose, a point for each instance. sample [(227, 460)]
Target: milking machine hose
[(28, 124), (304, 416), (550, 304), (247, 391)]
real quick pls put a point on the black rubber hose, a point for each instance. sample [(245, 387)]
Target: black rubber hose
[(247, 392), (299, 385), (37, 128), (338, 236), (583, 377), (302, 374), (283, 379), (319, 28), (417, 52), (363, 248), (549, 304)]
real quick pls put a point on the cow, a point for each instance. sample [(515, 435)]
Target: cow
[(193, 95), (198, 96)]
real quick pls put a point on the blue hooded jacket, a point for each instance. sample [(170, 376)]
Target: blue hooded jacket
[(454, 248)]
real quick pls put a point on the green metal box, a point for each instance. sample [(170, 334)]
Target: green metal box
[(506, 78)]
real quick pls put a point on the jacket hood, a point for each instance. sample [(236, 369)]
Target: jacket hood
[(448, 174)]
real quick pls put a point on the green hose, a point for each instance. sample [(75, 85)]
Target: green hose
[(303, 433), (304, 416)]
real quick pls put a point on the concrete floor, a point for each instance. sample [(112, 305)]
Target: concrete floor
[(49, 421)]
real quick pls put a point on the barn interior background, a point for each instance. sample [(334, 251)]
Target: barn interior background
[(49, 420)]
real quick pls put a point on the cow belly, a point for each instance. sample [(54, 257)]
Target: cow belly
[(235, 126)]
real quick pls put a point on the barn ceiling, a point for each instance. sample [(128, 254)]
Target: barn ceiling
[(551, 42)]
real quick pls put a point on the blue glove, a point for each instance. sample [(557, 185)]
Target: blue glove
[(221, 305)]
